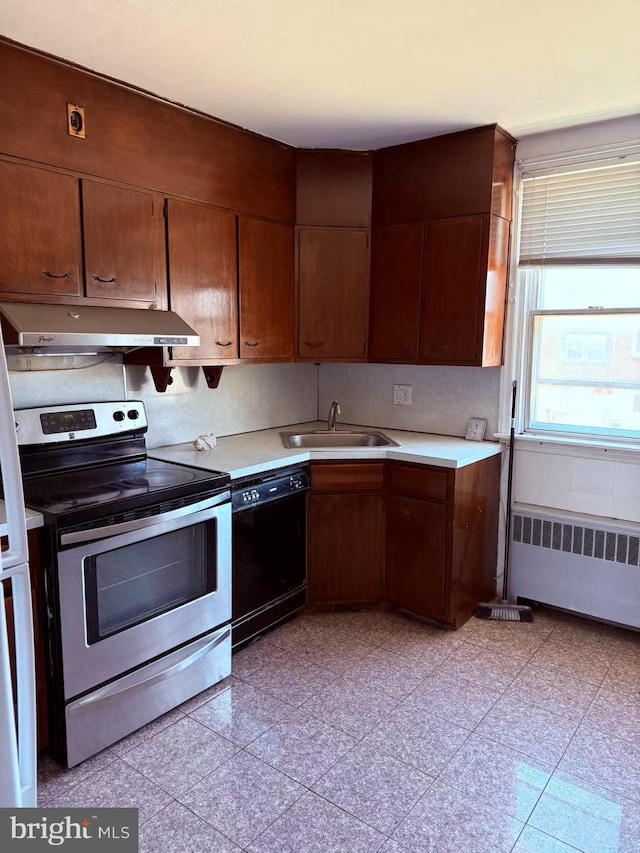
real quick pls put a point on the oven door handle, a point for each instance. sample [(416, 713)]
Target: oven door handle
[(141, 523), (160, 672)]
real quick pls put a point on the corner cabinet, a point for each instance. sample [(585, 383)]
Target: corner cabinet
[(421, 538), (442, 529), (333, 293), (441, 216), (346, 533)]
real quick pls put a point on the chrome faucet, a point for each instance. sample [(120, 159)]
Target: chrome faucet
[(334, 411)]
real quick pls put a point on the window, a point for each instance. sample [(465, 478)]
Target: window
[(579, 285)]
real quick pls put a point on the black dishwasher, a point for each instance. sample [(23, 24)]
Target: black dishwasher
[(269, 550)]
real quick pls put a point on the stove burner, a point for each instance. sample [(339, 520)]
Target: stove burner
[(159, 478), (89, 495)]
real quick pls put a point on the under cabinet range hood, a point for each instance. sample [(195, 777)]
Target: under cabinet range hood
[(46, 329)]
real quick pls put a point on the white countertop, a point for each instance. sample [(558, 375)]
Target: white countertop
[(254, 452), (34, 519)]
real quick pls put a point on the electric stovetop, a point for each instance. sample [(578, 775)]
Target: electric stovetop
[(104, 487)]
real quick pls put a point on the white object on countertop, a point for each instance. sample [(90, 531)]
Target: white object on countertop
[(17, 747), (205, 442)]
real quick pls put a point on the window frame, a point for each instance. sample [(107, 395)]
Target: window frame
[(522, 297)]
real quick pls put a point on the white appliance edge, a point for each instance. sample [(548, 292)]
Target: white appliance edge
[(18, 765)]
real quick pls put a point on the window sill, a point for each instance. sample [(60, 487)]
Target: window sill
[(626, 451)]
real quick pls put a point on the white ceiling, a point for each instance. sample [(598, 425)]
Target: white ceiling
[(356, 73)]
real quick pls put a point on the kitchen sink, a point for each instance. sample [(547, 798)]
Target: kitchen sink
[(323, 438)]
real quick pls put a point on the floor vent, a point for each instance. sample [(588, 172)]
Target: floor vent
[(577, 539)]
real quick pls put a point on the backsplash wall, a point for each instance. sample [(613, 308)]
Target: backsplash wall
[(443, 398), (56, 387), (252, 397), (248, 397)]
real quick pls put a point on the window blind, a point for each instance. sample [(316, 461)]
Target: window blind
[(582, 216)]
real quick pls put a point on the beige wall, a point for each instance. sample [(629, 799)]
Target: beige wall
[(443, 398), (248, 398)]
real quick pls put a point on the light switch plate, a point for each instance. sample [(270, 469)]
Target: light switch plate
[(402, 395)]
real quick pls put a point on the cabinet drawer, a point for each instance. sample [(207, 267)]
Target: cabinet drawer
[(348, 477), (423, 483)]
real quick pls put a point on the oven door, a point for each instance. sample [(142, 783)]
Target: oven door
[(141, 588)]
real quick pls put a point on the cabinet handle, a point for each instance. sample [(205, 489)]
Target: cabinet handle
[(323, 511), (313, 346), (406, 512), (440, 347), (249, 344), (48, 274), (112, 280), (228, 344)]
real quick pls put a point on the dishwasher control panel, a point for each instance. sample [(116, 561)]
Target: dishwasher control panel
[(273, 486)]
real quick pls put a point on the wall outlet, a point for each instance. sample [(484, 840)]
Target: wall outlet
[(402, 395)]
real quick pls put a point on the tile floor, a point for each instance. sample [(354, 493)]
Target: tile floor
[(362, 732)]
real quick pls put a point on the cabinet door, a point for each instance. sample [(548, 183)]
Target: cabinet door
[(266, 289), (333, 293), (346, 543), (203, 277), (396, 282), (453, 291), (39, 231), (416, 554), (122, 234)]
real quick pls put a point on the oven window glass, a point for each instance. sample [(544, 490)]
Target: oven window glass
[(129, 585)]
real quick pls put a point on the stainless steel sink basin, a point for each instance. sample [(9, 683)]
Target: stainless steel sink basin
[(326, 439)]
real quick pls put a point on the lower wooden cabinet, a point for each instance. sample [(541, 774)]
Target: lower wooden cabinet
[(422, 538), (346, 533), (417, 556), (442, 538)]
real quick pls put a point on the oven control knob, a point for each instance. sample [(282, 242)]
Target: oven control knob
[(118, 416), (133, 414)]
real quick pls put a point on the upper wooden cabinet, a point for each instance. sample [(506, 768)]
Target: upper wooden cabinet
[(266, 290), (122, 242), (440, 264), (333, 293), (458, 174), (334, 188), (438, 292), (463, 291), (396, 287), (40, 245), (452, 291), (203, 278)]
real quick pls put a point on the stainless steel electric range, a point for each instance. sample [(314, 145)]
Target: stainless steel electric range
[(136, 556)]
